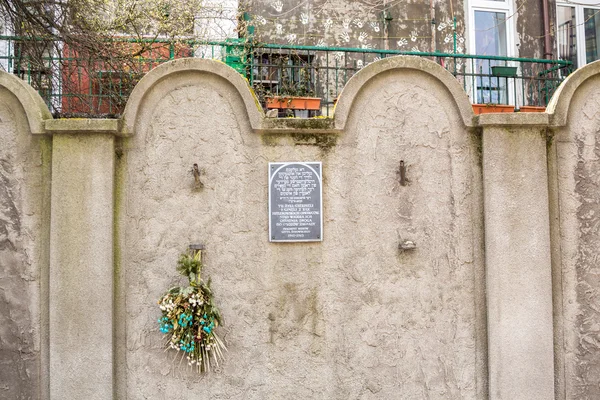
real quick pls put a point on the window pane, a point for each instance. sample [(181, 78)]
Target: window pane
[(490, 40), (490, 33), (592, 33), (566, 32)]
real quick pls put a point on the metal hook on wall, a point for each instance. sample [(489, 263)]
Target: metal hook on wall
[(196, 172), (403, 180)]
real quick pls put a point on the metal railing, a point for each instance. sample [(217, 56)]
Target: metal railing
[(73, 85)]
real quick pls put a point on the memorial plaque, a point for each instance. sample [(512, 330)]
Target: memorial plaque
[(295, 202)]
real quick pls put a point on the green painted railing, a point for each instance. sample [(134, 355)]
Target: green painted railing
[(73, 85)]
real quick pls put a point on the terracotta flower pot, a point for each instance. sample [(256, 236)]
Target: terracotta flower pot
[(532, 109), (293, 102), (492, 108)]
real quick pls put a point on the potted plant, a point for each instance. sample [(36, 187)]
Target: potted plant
[(295, 94)]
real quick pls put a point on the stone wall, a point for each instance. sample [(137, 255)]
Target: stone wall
[(357, 318), (575, 151), (24, 226), (496, 301)]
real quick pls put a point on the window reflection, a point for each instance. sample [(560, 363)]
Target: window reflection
[(567, 34), (592, 30), (490, 40)]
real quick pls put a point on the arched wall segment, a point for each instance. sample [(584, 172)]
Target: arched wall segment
[(558, 108), (25, 175), (187, 65), (34, 106), (287, 301), (358, 82), (574, 156)]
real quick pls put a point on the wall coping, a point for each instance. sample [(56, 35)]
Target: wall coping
[(513, 119), (82, 125), (186, 65), (361, 79), (36, 110), (558, 108)]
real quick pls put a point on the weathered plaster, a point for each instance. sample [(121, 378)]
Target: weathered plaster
[(350, 317), (36, 111), (199, 68), (518, 264), (412, 25), (81, 267), (79, 126), (24, 221), (577, 175), (560, 104), (429, 70)]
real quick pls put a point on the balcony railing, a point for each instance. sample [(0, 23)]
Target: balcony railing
[(73, 85)]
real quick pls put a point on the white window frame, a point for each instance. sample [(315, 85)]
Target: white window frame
[(506, 7), (579, 26)]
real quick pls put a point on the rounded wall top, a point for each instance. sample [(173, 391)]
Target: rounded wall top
[(558, 108), (184, 65), (35, 108), (358, 81)]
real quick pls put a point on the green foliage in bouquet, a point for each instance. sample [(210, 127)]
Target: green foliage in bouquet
[(189, 317)]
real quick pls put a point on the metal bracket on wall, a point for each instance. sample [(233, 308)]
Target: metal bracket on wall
[(196, 172), (196, 248), (406, 245), (403, 180)]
